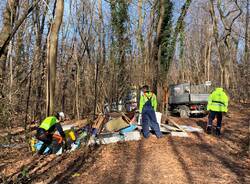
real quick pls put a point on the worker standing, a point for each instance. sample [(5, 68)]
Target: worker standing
[(47, 128), (148, 105), (217, 104)]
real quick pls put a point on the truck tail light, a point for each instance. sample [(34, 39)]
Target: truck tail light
[(193, 107)]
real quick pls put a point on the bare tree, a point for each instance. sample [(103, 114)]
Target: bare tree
[(52, 56)]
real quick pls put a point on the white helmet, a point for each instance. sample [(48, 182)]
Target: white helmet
[(61, 114)]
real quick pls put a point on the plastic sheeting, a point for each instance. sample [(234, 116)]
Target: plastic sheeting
[(116, 137)]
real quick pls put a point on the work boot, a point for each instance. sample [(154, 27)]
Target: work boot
[(217, 132), (159, 137), (146, 136), (209, 129)]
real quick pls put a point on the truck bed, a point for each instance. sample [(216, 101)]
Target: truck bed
[(188, 94), (188, 99), (199, 98)]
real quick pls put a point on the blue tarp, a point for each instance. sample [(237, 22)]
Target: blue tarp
[(128, 129)]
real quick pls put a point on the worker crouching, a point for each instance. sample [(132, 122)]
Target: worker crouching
[(47, 128)]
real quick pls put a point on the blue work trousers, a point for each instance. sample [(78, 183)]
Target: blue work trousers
[(212, 116), (149, 120)]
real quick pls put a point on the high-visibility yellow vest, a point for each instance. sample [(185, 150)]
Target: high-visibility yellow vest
[(145, 97), (48, 122), (218, 101)]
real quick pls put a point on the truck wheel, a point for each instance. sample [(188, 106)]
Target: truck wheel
[(184, 114)]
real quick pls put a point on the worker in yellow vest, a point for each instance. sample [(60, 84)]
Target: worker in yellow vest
[(47, 128), (217, 104), (148, 105)]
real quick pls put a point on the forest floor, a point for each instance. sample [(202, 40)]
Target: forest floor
[(200, 158)]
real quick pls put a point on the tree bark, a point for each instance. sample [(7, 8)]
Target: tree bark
[(39, 60), (11, 33), (246, 33), (157, 50), (52, 56), (179, 26), (139, 30), (8, 22)]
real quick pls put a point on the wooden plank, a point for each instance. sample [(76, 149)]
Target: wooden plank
[(98, 122), (170, 127), (175, 124)]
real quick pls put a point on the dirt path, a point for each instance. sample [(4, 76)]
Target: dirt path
[(200, 158)]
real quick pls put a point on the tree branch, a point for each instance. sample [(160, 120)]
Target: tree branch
[(18, 24)]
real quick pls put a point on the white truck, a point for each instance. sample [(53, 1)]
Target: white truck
[(187, 99)]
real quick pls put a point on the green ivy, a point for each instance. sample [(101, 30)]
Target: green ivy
[(165, 35)]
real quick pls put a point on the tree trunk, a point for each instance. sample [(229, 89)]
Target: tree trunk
[(9, 35), (77, 81), (8, 22), (246, 33), (39, 60), (101, 33), (209, 60), (156, 48), (179, 27), (52, 56), (247, 59), (216, 38), (139, 30)]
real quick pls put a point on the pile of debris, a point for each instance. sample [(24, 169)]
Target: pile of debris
[(110, 128)]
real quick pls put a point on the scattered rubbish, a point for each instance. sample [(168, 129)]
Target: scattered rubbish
[(69, 131), (110, 138), (121, 127), (132, 136), (179, 134), (75, 175), (158, 117), (164, 129), (117, 137), (170, 128), (171, 121), (116, 124), (99, 123), (191, 129), (60, 151), (131, 99), (92, 140), (32, 144), (82, 137), (74, 147), (38, 146), (128, 129)]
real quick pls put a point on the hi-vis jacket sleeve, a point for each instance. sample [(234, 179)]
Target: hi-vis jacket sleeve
[(141, 103), (154, 102)]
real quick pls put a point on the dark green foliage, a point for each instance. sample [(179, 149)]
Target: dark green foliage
[(181, 42), (119, 24), (120, 44), (165, 35), (180, 27)]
